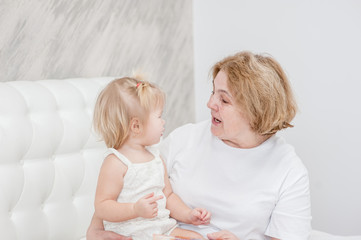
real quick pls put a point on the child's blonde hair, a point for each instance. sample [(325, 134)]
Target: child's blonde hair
[(119, 102)]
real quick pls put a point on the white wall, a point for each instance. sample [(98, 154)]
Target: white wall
[(319, 45)]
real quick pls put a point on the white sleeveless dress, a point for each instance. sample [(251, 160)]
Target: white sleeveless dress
[(140, 180)]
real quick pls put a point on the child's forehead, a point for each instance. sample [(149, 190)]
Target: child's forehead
[(158, 109)]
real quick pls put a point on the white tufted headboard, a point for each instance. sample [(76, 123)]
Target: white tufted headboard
[(49, 158)]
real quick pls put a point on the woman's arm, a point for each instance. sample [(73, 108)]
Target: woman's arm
[(291, 217), (179, 210), (225, 235), (96, 232)]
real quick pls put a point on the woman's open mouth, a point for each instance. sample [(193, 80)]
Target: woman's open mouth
[(216, 120)]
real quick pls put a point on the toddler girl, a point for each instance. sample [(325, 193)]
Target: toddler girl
[(134, 196)]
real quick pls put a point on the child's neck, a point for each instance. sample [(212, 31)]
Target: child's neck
[(135, 152), (133, 145)]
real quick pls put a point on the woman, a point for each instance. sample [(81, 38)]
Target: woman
[(252, 182)]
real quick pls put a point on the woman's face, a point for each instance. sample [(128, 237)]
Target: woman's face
[(228, 123)]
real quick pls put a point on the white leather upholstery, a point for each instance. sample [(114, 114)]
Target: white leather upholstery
[(49, 158)]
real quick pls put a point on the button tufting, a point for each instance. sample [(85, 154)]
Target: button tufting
[(50, 133)]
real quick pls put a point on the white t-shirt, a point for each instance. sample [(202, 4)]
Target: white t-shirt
[(253, 193)]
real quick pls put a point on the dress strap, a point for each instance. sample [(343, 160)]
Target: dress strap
[(121, 157)]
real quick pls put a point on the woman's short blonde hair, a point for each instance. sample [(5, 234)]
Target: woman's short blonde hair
[(261, 89), (119, 102)]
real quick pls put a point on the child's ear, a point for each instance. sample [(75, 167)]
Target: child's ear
[(136, 126)]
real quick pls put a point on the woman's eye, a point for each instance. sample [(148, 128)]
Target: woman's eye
[(224, 101), (212, 93)]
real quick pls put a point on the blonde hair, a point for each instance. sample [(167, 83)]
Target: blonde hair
[(119, 102), (261, 90)]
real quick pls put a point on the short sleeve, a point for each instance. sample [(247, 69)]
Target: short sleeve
[(175, 144), (291, 217)]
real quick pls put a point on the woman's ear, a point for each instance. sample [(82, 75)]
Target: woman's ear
[(136, 126)]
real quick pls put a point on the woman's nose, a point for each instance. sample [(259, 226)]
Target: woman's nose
[(212, 103)]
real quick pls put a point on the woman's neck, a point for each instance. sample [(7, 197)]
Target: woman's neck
[(247, 142)]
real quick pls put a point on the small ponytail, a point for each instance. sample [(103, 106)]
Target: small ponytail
[(145, 93)]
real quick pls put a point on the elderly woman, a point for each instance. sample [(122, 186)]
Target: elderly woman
[(234, 164)]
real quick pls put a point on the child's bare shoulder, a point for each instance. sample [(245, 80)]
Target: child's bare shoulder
[(113, 163)]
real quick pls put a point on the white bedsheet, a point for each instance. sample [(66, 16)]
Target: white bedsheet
[(318, 235)]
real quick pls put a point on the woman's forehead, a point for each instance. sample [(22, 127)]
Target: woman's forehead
[(221, 80), (220, 84)]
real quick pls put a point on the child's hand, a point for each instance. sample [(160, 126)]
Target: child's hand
[(147, 206), (199, 216)]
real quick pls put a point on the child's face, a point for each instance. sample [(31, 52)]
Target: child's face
[(154, 127)]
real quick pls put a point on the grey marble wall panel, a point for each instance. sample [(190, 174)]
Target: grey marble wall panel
[(91, 38)]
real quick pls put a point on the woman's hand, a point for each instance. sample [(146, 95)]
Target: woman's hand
[(105, 235), (199, 216), (96, 231), (222, 235)]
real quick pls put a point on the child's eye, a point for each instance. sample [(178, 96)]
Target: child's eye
[(224, 101)]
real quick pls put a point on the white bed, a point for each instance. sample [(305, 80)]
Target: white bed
[(318, 235)]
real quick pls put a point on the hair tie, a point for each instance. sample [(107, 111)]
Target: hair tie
[(138, 84)]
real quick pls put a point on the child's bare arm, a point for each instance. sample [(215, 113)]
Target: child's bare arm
[(179, 210), (110, 184)]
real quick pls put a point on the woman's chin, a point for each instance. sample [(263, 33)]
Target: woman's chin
[(215, 131)]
